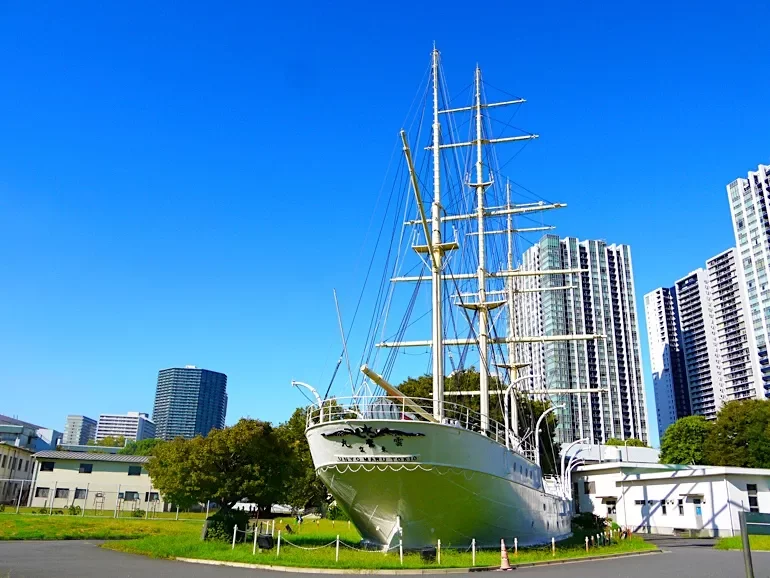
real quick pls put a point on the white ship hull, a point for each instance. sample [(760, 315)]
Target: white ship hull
[(437, 481)]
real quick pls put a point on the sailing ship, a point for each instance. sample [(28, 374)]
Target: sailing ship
[(421, 470)]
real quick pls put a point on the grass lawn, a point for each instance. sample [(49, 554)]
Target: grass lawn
[(311, 535), (734, 543), (37, 527), (11, 510)]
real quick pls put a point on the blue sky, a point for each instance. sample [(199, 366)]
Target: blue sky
[(185, 183)]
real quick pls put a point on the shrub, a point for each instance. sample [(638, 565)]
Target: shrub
[(2, 507), (74, 510), (220, 525), (138, 513), (588, 523), (334, 512), (43, 510)]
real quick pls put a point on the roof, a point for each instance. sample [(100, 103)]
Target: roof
[(22, 448), (91, 457), (647, 471), (6, 419)]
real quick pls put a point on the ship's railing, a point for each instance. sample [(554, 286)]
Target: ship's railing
[(413, 409)]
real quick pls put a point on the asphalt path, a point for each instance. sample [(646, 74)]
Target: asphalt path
[(84, 559)]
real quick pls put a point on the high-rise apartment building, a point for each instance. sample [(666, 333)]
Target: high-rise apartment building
[(79, 430), (601, 300), (717, 351), (669, 377), (189, 401), (750, 209), (699, 342), (132, 426)]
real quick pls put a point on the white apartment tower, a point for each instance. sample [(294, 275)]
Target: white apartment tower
[(601, 300), (749, 207), (699, 343), (133, 426), (669, 378), (79, 430)]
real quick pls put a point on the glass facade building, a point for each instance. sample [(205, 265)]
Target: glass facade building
[(189, 401), (601, 300)]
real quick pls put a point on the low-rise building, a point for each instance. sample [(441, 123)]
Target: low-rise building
[(93, 481), (671, 499), (16, 471), (21, 433)]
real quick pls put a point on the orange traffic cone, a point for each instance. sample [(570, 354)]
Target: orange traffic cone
[(504, 563)]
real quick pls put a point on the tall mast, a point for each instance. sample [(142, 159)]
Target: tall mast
[(481, 272), (509, 280), (438, 329)]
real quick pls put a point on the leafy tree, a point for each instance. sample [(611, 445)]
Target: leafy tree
[(109, 441), (246, 461), (740, 436), (684, 441), (303, 487), (141, 448), (529, 410), (630, 442)]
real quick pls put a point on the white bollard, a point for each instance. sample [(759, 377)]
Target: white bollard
[(337, 550), (235, 530), (177, 513), (278, 551), (438, 553), (515, 546), (401, 551), (473, 551), (598, 543), (272, 530), (254, 549), (586, 543), (553, 546)]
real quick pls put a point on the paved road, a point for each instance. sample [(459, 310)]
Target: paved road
[(683, 559)]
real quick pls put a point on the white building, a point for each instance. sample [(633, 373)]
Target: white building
[(16, 471), (669, 378), (93, 481), (671, 499), (749, 207), (133, 426), (79, 430), (699, 342), (699, 323), (602, 301)]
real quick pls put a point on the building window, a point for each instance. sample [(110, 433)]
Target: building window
[(62, 493), (86, 468), (639, 502), (663, 507), (589, 488), (2, 465), (132, 496), (680, 505), (753, 499), (41, 493), (26, 466), (151, 497), (46, 466), (134, 470), (611, 508), (80, 494)]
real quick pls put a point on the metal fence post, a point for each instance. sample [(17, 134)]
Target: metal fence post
[(746, 544), (473, 550), (254, 549), (21, 491), (177, 513), (85, 500), (337, 550), (117, 499), (278, 552), (50, 510)]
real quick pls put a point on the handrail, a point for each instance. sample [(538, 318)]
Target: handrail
[(395, 408)]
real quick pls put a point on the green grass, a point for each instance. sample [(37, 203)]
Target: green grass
[(312, 535), (36, 527), (11, 510), (734, 543)]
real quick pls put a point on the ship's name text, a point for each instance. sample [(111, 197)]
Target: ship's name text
[(376, 459)]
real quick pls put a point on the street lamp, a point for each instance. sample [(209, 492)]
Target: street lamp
[(537, 430)]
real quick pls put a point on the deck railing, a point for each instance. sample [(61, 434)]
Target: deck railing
[(414, 409)]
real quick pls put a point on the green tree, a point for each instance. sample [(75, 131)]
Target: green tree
[(141, 448), (303, 487), (684, 441), (740, 436), (529, 410), (109, 442), (630, 442), (246, 461)]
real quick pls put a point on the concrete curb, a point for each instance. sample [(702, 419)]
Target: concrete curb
[(413, 571)]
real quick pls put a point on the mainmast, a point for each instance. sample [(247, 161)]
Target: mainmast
[(437, 261), (483, 307)]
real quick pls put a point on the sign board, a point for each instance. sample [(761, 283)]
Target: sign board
[(758, 524)]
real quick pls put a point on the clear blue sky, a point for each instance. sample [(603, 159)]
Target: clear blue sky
[(185, 182)]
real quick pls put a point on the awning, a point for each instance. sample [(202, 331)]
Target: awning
[(606, 499)]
